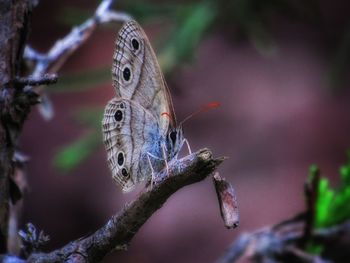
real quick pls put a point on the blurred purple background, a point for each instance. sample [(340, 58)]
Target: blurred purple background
[(278, 116)]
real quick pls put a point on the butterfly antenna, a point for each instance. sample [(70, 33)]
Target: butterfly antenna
[(205, 108)]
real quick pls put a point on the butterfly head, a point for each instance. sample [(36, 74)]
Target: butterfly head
[(174, 140)]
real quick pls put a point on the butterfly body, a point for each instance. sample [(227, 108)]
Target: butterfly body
[(139, 125)]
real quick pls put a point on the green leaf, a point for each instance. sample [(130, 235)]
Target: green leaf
[(71, 156), (332, 205)]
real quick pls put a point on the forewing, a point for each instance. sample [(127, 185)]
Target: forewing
[(137, 75)]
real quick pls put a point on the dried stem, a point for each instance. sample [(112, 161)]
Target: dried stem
[(227, 201)]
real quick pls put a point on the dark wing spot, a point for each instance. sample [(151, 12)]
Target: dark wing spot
[(135, 44), (126, 73), (120, 158), (118, 116), (125, 172)]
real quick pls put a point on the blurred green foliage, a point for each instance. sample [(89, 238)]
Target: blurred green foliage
[(72, 155), (332, 206), (75, 153), (193, 23)]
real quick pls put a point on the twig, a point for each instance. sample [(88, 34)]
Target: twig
[(121, 228), (63, 48), (300, 256), (330, 233), (280, 242), (237, 249), (53, 60), (37, 81), (264, 244)]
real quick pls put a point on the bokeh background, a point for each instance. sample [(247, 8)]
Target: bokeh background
[(280, 72)]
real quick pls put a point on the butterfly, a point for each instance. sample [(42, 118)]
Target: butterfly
[(139, 125)]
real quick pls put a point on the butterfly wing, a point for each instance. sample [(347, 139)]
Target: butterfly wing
[(137, 75), (130, 133)]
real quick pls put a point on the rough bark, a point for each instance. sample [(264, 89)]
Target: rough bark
[(13, 32)]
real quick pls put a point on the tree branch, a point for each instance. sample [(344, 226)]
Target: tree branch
[(121, 228), (13, 32)]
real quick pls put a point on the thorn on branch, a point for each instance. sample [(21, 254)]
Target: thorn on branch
[(46, 79)]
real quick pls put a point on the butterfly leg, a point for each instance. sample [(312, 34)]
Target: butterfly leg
[(188, 145), (165, 159), (150, 165)]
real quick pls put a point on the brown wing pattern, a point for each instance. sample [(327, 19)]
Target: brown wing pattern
[(137, 75), (128, 131)]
